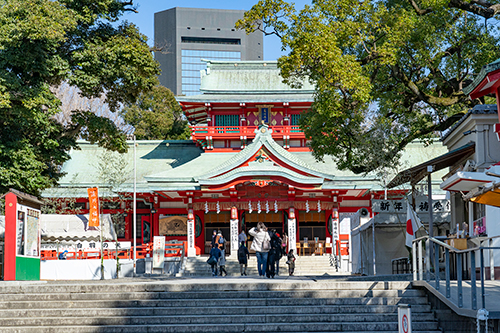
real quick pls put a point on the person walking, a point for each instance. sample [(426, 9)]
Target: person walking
[(261, 245), (290, 262), (215, 253), (273, 254), (242, 237), (222, 263), (214, 238), (284, 240), (279, 254), (243, 256), (221, 243)]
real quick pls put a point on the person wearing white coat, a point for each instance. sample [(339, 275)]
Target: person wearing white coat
[(261, 245)]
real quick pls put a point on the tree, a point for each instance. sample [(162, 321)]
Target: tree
[(157, 116), (44, 43), (386, 72)]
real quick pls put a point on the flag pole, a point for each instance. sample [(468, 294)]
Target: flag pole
[(134, 210), (100, 226)]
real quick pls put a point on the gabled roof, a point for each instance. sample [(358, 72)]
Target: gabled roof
[(263, 138), (241, 165)]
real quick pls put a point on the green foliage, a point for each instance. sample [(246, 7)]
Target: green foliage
[(386, 72), (157, 116), (44, 43)]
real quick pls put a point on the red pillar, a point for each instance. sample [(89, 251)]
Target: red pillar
[(10, 237)]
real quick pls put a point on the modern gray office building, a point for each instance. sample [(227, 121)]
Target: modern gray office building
[(187, 35)]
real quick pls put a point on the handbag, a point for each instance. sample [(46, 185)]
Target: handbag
[(211, 260), (266, 245)]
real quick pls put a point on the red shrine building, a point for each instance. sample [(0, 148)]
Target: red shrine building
[(247, 162)]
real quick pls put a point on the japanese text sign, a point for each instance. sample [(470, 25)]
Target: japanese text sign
[(94, 207)]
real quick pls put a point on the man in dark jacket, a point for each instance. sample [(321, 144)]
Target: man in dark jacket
[(215, 252), (273, 254), (243, 256), (214, 237)]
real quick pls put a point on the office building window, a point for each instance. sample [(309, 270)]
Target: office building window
[(207, 40), (192, 65)]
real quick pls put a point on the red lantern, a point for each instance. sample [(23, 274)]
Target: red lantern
[(234, 213), (335, 213), (291, 213)]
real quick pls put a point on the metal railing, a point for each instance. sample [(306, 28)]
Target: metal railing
[(177, 249), (222, 131), (459, 265)]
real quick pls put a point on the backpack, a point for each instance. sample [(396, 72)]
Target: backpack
[(275, 243), (221, 240), (242, 253)]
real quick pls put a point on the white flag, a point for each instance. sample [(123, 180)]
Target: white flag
[(413, 223)]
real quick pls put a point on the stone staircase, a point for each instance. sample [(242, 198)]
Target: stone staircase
[(304, 266), (211, 305)]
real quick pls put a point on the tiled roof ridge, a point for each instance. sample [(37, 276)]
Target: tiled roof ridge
[(482, 74), (478, 109)]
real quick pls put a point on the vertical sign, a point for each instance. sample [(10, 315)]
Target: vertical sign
[(28, 231), (190, 239), (21, 220), (94, 207), (404, 318), (264, 115), (158, 251), (234, 237), (292, 235), (32, 240)]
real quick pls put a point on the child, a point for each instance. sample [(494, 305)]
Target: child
[(290, 262), (243, 256)]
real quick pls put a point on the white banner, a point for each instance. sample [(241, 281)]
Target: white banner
[(190, 238), (234, 237), (292, 235), (335, 230), (158, 251)]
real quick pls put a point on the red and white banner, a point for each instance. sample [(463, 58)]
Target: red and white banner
[(94, 207), (413, 223)]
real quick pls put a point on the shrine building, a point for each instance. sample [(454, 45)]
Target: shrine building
[(247, 162)]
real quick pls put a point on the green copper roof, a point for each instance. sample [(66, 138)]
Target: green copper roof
[(495, 65), (263, 138), (181, 166)]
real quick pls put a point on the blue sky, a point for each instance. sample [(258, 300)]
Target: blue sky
[(145, 18)]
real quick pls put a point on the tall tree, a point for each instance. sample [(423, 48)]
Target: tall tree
[(386, 72), (44, 43), (157, 116)]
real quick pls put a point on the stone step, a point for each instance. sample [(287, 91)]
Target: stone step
[(196, 310), (205, 305), (200, 285), (164, 319), (199, 295), (88, 304), (233, 328)]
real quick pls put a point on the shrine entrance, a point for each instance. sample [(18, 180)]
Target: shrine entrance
[(272, 221)]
